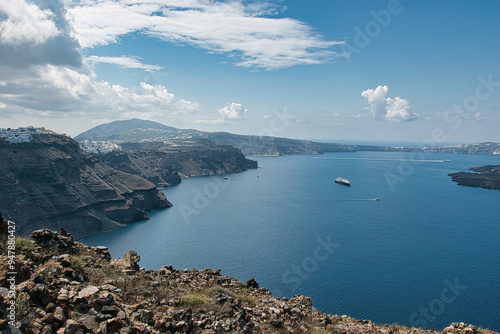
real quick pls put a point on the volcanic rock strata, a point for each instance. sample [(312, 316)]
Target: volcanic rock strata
[(48, 181)]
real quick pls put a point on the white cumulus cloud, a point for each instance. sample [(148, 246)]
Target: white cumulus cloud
[(57, 90), (25, 23), (232, 111), (383, 107)]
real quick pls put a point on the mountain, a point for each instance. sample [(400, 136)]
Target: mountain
[(47, 180), (487, 177), (136, 130)]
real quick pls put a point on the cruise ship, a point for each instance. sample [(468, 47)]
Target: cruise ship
[(343, 181)]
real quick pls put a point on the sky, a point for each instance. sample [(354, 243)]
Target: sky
[(353, 71)]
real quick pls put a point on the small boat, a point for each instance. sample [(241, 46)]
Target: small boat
[(226, 178), (343, 181), (377, 199), (446, 160)]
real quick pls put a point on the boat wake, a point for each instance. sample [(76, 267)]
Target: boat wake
[(375, 159), (359, 199)]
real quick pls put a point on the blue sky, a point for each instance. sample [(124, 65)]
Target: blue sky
[(350, 71)]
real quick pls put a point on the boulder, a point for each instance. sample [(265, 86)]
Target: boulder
[(251, 283), (88, 291), (129, 261), (71, 327), (88, 322), (3, 225)]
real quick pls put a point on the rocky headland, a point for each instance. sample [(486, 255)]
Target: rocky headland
[(47, 180), (65, 287), (166, 163), (487, 177)]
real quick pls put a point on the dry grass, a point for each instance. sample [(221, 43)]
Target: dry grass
[(194, 300)]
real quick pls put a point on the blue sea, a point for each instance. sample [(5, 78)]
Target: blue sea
[(427, 254)]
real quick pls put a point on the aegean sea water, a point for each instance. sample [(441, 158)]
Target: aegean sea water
[(425, 255)]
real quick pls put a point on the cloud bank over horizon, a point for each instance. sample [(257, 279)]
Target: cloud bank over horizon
[(384, 108)]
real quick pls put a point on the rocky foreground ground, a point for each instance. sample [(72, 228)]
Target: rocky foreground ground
[(65, 287)]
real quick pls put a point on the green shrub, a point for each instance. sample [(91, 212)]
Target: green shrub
[(76, 263), (320, 331), (24, 246), (396, 327), (482, 331), (245, 299), (241, 284), (23, 313)]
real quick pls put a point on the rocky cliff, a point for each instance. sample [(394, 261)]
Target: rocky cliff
[(65, 287), (487, 177), (274, 146), (165, 163), (48, 181)]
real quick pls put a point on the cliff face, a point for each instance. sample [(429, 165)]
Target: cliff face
[(165, 164), (274, 146), (487, 177), (48, 181)]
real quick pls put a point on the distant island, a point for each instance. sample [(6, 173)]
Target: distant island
[(487, 177)]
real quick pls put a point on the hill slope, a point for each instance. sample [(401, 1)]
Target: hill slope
[(136, 130)]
